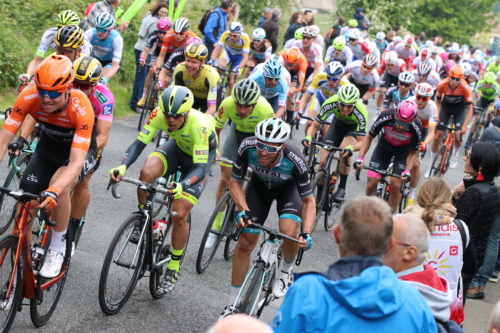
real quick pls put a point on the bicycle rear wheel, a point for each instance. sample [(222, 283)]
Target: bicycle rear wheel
[(121, 266), (231, 244), (148, 106), (319, 192), (436, 170), (251, 289), (313, 160)]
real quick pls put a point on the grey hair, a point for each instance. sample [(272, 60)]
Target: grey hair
[(276, 13), (495, 316), (416, 234)]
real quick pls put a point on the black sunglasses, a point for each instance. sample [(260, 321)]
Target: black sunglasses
[(454, 79), (174, 116)]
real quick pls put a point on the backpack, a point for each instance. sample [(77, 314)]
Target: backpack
[(448, 326), (204, 20), (460, 226), (332, 34)]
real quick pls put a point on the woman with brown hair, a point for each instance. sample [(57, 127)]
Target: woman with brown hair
[(295, 23), (450, 250), (233, 14)]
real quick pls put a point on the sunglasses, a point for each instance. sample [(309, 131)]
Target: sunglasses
[(332, 78), (347, 106), (366, 67), (256, 40), (82, 85), (404, 84), (422, 98), (272, 78), (101, 30), (402, 123), (173, 115), (234, 35), (49, 94), (270, 149), (181, 34), (454, 79), (162, 32), (62, 51), (423, 75), (307, 38), (352, 39)]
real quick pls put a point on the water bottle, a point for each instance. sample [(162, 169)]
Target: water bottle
[(333, 181), (159, 229)]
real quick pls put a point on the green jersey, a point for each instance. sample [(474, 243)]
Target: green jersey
[(358, 116), (493, 67), (487, 93), (227, 109)]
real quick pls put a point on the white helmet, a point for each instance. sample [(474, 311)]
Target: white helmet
[(272, 130), (478, 58), (310, 30), (406, 77), (397, 39), (181, 25), (370, 60), (380, 36), (429, 43), (279, 58), (235, 28), (424, 89), (466, 56), (353, 33), (466, 67), (259, 34), (391, 58)]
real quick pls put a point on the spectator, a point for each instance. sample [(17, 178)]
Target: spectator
[(365, 25), (216, 25), (495, 319), (240, 323), (435, 209), (359, 15), (272, 28), (295, 23), (352, 24), (477, 201), (438, 40), (307, 18), (390, 36), (357, 293), (233, 14), (106, 6), (396, 29), (334, 32), (148, 26), (420, 40), (266, 15)]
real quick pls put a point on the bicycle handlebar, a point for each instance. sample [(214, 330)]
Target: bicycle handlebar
[(20, 195), (331, 148), (223, 69), (312, 119)]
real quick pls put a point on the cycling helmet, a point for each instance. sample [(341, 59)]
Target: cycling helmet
[(176, 100), (164, 24), (434, 50), (181, 25), (348, 94), (409, 41), (298, 33), (424, 89), (454, 50), (310, 30), (104, 21), (370, 60), (397, 39), (292, 55), (353, 33), (315, 28), (272, 130), (196, 50), (235, 28), (424, 68), (456, 72), (406, 111), (429, 43), (67, 17), (478, 58), (352, 23), (87, 69), (449, 65), (425, 54), (259, 34), (380, 36), (54, 73), (339, 43), (194, 40), (489, 77), (69, 36), (467, 68), (246, 92), (391, 58), (406, 77), (334, 68), (272, 68)]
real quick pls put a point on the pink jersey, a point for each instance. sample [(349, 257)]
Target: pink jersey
[(314, 55), (103, 103)]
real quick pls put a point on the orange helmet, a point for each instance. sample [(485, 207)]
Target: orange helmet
[(457, 72), (54, 73), (292, 55)]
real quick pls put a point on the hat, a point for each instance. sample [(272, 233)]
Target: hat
[(266, 10), (359, 9)]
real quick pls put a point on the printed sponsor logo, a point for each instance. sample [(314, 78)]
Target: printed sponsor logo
[(27, 98), (76, 104), (67, 71), (80, 139), (220, 113), (304, 184), (32, 178), (63, 119), (187, 81), (184, 135), (299, 161), (83, 66), (246, 143), (11, 121), (453, 250), (107, 109), (202, 152), (84, 127), (289, 204), (16, 109), (101, 98), (145, 131), (152, 116), (43, 119)]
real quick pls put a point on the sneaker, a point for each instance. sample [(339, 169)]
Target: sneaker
[(52, 265), (339, 196), (409, 202), (141, 102), (480, 292), (282, 284), (453, 162), (211, 240), (428, 173), (169, 280), (473, 293), (494, 277), (228, 310)]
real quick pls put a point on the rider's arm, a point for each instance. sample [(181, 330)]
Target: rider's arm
[(365, 145), (145, 53), (238, 175), (311, 131), (387, 100), (28, 126), (244, 59), (301, 76), (145, 136), (103, 129), (162, 77), (237, 194), (411, 159), (215, 52), (308, 213), (6, 137), (369, 94), (117, 56), (34, 65), (306, 98), (246, 51), (213, 80)]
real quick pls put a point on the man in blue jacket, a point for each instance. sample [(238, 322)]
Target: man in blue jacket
[(357, 293), (216, 25)]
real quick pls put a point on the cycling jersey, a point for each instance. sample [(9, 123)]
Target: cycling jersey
[(154, 43), (170, 44), (289, 44), (487, 93), (344, 58), (403, 53), (102, 101), (494, 67), (399, 68), (227, 109), (393, 97), (381, 46), (107, 50), (476, 67), (391, 46), (264, 50), (418, 60), (454, 98), (313, 56), (320, 87), (284, 73), (291, 167), (359, 50), (47, 42), (358, 116), (241, 46), (280, 90), (438, 61), (203, 87), (385, 123), (298, 73), (363, 82), (432, 78), (175, 58), (427, 115)]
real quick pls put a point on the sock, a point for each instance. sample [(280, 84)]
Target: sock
[(454, 151), (141, 206), (218, 221), (343, 180), (433, 156), (57, 241), (234, 293), (175, 264), (289, 116), (144, 92), (75, 223), (377, 110), (287, 266), (413, 191)]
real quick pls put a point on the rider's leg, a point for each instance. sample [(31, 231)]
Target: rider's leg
[(395, 196), (180, 230)]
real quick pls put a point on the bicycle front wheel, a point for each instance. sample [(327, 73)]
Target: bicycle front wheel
[(251, 289), (230, 229), (319, 192), (121, 266), (436, 166), (331, 216)]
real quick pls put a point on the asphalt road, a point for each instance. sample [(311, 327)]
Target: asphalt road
[(197, 300)]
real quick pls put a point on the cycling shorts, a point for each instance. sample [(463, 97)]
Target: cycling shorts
[(363, 88), (381, 158), (232, 143), (173, 158), (483, 103), (108, 64), (389, 80), (445, 115), (234, 60), (274, 103), (339, 130), (200, 104), (260, 200)]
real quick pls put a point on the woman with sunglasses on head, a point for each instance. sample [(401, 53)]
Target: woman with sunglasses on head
[(401, 136), (399, 93)]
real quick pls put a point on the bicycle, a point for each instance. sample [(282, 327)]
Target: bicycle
[(151, 98), (323, 187), (480, 125), (22, 264), (224, 79), (256, 291), (313, 149), (295, 122), (441, 162), (226, 205), (134, 250)]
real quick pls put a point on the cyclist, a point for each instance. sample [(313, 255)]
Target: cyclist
[(235, 47), (192, 146), (444, 73), (427, 113), (454, 98), (295, 63), (477, 65), (437, 59), (406, 51), (279, 173), (272, 85), (297, 35), (154, 44), (107, 45), (338, 52), (175, 38), (392, 45), (66, 119), (246, 108), (401, 136), (350, 118), (470, 77), (88, 71), (201, 79), (425, 55), (175, 58), (380, 42), (312, 51), (393, 66), (363, 76), (425, 74), (494, 66), (261, 50), (351, 25), (358, 45), (399, 93)]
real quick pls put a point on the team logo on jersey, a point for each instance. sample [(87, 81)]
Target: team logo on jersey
[(187, 81), (107, 109), (453, 250), (11, 121), (27, 98), (76, 103), (101, 98), (221, 112), (85, 127), (152, 116), (80, 139), (16, 109)]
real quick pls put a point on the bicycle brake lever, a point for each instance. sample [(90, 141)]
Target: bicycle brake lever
[(346, 161), (237, 234), (299, 257)]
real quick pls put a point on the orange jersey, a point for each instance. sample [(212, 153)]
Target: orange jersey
[(170, 44), (299, 71), (72, 126), (462, 94)]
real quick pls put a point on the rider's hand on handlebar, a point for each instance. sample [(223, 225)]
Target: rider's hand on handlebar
[(307, 141), (120, 173), (23, 78), (176, 192), (50, 201), (359, 163), (142, 61), (305, 241), (15, 147), (210, 62), (347, 151), (243, 218), (422, 147), (405, 175)]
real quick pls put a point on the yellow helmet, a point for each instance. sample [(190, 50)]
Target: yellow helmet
[(87, 69), (69, 36), (176, 100), (196, 50)]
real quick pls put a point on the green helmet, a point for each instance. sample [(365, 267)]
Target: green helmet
[(176, 100), (353, 23), (489, 77), (348, 94), (68, 17), (246, 92), (298, 33), (339, 43)]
